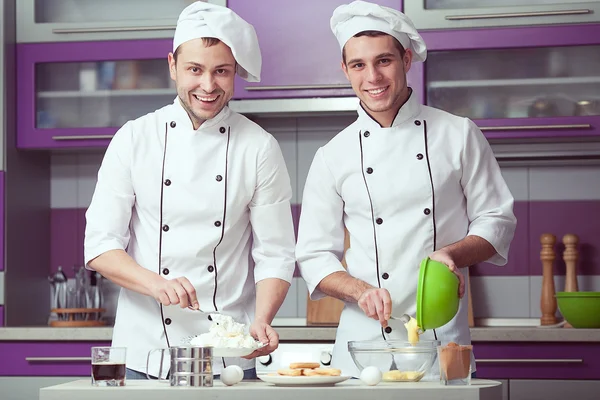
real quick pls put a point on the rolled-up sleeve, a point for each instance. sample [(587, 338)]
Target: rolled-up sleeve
[(489, 201), (271, 217), (109, 213), (320, 245)]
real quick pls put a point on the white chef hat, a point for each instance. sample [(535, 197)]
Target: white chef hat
[(349, 19), (200, 19)]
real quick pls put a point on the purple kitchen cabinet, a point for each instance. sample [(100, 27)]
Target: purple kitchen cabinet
[(2, 228), (46, 358), (1, 316), (537, 360), (77, 94), (300, 55), (533, 82)]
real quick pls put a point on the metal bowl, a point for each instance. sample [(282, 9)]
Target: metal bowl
[(398, 360)]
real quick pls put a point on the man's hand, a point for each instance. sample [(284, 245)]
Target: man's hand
[(445, 258), (265, 334), (377, 304), (175, 291)]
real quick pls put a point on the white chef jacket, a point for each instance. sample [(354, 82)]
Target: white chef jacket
[(402, 192), (204, 204)]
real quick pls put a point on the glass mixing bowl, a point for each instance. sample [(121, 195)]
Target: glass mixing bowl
[(398, 360)]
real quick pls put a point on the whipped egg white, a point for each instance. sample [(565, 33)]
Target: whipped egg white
[(224, 332)]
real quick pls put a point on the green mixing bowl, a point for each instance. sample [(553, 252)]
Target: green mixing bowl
[(580, 309), (437, 295)]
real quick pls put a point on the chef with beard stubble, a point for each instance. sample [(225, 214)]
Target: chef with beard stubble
[(192, 204), (407, 181)]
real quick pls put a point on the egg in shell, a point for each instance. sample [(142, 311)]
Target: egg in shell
[(231, 375), (371, 376), (240, 372)]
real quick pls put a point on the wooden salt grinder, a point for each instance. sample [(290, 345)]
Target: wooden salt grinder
[(570, 256), (548, 301)]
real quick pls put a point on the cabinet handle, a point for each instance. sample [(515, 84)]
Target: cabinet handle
[(82, 137), (59, 359), (534, 127), (113, 29), (532, 360), (517, 15), (298, 87)]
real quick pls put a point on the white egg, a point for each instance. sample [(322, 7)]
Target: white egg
[(371, 376), (239, 370), (230, 375)]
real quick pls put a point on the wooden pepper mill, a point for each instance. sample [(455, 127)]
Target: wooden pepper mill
[(548, 301), (570, 257)]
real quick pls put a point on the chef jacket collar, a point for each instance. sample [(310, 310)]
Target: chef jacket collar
[(183, 119), (409, 110)]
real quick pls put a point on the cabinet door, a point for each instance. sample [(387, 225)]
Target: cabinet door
[(553, 389), (504, 388), (47, 358), (530, 91), (79, 94), (537, 360), (449, 14), (1, 239), (300, 55), (68, 20), (28, 388)]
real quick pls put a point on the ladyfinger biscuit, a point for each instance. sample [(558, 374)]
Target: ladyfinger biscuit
[(300, 365), (326, 372), (309, 372), (289, 372)]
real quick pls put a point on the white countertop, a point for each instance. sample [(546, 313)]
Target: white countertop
[(349, 390), (316, 334), (312, 334)]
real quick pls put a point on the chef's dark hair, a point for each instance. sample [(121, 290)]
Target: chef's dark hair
[(375, 34), (207, 41)]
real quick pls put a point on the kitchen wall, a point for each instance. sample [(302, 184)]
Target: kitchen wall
[(558, 200)]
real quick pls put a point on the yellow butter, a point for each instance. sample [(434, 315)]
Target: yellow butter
[(413, 331), (393, 375), (399, 376)]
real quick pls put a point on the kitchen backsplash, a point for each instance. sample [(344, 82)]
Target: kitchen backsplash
[(558, 200)]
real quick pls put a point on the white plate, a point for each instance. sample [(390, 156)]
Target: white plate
[(281, 380)]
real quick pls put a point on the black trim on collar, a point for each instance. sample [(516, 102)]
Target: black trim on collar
[(362, 169), (432, 196), (374, 120), (432, 186), (223, 222), (160, 231)]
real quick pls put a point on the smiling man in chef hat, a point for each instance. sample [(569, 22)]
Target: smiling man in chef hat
[(235, 49), (192, 204), (407, 181)]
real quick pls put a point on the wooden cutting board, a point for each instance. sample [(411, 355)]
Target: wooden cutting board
[(326, 311)]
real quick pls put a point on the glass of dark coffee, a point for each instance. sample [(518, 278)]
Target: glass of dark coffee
[(108, 366)]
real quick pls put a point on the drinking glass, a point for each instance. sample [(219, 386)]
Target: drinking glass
[(108, 366)]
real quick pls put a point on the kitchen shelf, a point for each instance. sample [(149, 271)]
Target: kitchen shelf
[(512, 82), (63, 94)]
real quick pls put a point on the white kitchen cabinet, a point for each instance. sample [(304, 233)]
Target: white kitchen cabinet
[(504, 388), (28, 387), (554, 389), (451, 14), (82, 20)]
